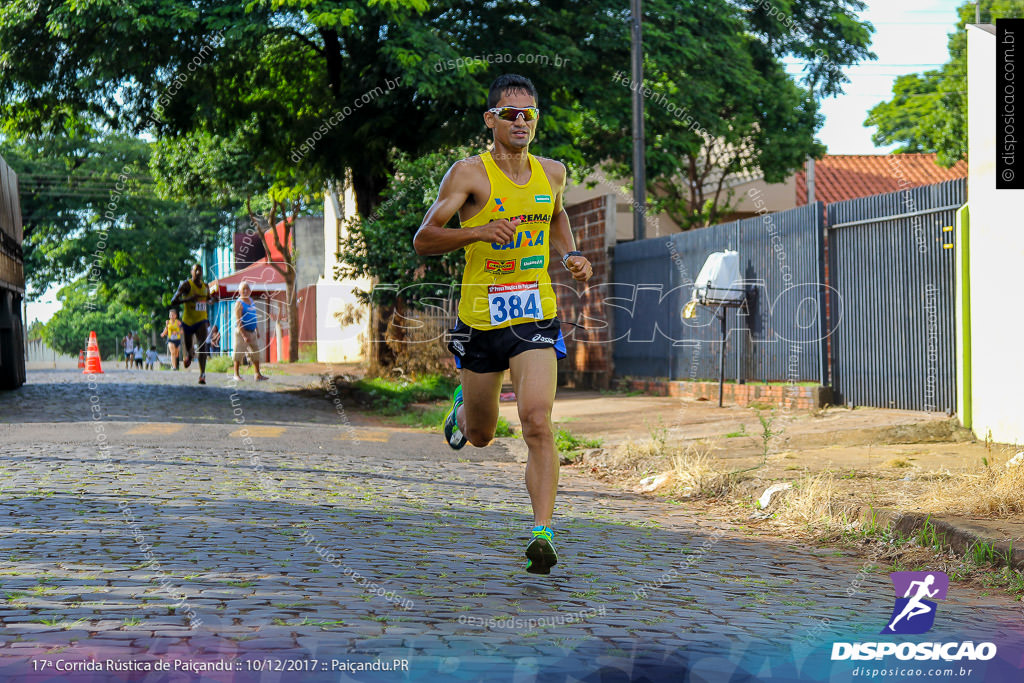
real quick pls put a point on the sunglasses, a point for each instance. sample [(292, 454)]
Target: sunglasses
[(512, 113)]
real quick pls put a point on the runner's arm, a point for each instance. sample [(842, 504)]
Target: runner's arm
[(179, 295), (433, 239)]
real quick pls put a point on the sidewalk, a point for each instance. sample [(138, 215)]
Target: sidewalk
[(882, 462)]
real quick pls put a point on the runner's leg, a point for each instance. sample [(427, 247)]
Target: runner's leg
[(190, 353), (534, 378), (202, 336), (478, 414)]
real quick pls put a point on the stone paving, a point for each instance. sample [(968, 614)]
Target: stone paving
[(275, 535)]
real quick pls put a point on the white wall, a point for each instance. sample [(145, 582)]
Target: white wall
[(996, 254), (334, 343)]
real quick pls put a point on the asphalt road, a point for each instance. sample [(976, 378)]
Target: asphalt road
[(148, 522)]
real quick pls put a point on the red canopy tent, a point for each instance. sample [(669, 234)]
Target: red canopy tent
[(261, 276)]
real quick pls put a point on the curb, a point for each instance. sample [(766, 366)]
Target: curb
[(960, 537)]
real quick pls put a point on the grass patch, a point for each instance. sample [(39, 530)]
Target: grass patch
[(219, 364), (570, 445), (393, 396)]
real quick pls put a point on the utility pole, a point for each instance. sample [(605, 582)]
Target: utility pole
[(639, 162)]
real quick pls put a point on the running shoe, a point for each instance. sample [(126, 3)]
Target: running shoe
[(452, 433), (540, 554), (202, 379), (188, 361)]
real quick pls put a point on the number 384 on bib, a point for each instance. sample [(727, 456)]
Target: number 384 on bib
[(514, 300)]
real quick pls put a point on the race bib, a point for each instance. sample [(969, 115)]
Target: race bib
[(200, 306), (514, 300)]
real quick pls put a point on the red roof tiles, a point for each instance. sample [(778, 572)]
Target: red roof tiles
[(847, 176)]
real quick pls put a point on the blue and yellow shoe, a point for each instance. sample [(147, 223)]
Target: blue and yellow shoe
[(452, 433), (540, 554)]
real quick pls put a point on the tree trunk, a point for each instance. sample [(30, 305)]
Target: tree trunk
[(293, 317)]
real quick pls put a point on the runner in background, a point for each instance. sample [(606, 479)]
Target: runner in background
[(173, 332), (246, 332), (193, 295), (129, 350)]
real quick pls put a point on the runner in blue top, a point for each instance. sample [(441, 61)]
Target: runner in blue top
[(246, 332)]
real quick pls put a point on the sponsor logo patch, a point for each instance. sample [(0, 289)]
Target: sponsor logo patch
[(542, 198), (499, 206), (528, 262), (534, 238), (500, 266)]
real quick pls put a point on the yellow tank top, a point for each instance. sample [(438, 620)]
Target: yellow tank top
[(174, 330), (194, 312), (505, 285)]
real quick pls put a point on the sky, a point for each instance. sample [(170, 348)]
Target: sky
[(910, 36)]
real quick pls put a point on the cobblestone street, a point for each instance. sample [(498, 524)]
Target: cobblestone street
[(148, 519)]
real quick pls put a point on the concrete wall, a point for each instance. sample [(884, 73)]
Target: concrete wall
[(995, 254), (309, 250)]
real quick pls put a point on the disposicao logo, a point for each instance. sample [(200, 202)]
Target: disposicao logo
[(914, 614), (542, 198)]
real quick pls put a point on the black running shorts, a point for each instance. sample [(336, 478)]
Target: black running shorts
[(489, 350)]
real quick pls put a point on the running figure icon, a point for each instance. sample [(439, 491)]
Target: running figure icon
[(916, 588)]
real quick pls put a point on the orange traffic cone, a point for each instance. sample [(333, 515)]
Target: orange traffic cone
[(92, 357), (81, 359)]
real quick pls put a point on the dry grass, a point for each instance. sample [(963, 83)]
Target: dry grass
[(694, 469), (991, 489), (812, 501)]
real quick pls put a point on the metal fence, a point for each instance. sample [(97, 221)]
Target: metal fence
[(878, 325), (774, 338), (891, 269)]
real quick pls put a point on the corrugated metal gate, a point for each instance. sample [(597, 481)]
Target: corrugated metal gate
[(892, 298), (776, 339)]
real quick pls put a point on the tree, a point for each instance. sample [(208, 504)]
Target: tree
[(928, 112), (67, 332), (91, 214), (333, 86), (222, 170), (379, 246)]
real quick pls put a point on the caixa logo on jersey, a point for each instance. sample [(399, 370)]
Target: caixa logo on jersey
[(913, 614), (534, 238)]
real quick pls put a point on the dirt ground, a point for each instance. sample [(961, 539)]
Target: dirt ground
[(879, 458)]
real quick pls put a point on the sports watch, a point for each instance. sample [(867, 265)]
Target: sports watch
[(566, 256)]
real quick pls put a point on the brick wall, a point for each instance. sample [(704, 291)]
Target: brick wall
[(588, 363)]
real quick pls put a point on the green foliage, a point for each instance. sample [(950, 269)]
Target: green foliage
[(568, 444), (928, 112), (379, 246), (392, 396), (68, 330), (320, 88), (91, 214)]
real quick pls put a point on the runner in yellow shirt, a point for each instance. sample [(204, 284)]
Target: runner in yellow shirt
[(510, 210), (173, 332), (193, 295)]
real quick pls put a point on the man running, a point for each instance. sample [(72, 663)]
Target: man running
[(172, 330), (509, 204), (193, 295)]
